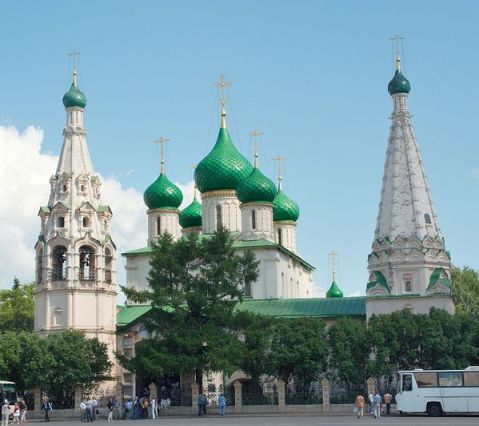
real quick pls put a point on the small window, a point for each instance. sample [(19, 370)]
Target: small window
[(64, 188), (280, 237), (427, 219), (82, 188), (408, 286), (61, 222), (253, 219), (86, 222), (426, 380), (450, 379), (406, 382), (219, 217), (158, 226)]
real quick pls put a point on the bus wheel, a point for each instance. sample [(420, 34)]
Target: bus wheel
[(434, 409)]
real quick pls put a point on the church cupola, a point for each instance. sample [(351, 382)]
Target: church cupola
[(334, 291), (218, 175), (256, 193), (399, 83), (190, 217), (74, 98), (163, 198)]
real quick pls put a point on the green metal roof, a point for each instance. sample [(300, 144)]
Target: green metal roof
[(256, 188), (334, 291), (190, 217), (284, 208), (131, 313), (163, 194), (74, 97), (317, 307), (138, 252), (399, 84)]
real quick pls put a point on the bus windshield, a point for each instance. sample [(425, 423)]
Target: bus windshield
[(7, 391)]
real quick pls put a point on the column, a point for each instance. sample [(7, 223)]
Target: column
[(326, 400), (281, 397), (194, 398), (371, 385), (238, 397)]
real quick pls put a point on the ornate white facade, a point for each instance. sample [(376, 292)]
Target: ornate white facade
[(409, 265), (75, 255)]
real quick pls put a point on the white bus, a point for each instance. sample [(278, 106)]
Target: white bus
[(8, 392), (438, 392)]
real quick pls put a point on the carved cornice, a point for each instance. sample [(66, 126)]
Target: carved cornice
[(227, 193)]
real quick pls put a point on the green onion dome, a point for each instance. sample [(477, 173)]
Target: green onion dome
[(334, 291), (74, 97), (190, 217), (284, 208), (163, 194), (399, 84), (223, 167), (256, 188)]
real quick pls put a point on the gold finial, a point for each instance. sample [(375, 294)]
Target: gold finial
[(162, 142), (333, 255), (74, 55), (396, 41), (280, 160), (255, 134), (193, 167), (222, 85)]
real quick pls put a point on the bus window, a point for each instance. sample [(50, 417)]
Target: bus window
[(471, 378), (450, 378), (426, 380), (406, 382)]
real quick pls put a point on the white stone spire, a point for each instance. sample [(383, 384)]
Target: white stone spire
[(408, 254)]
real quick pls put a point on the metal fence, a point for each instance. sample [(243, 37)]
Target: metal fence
[(311, 393), (265, 393), (343, 393)]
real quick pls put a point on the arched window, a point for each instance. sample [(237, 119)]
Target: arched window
[(158, 226), (86, 222), (87, 263), (82, 188), (253, 219), (61, 222), (219, 217), (108, 264), (427, 219), (408, 286), (59, 264), (280, 237), (64, 188), (39, 266)]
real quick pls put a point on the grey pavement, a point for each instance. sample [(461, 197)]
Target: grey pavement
[(283, 420)]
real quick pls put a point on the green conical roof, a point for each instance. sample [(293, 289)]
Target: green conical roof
[(223, 167), (334, 291), (190, 217), (256, 188), (74, 97), (399, 84), (163, 194), (284, 208)]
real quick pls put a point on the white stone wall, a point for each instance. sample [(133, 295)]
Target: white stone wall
[(137, 270), (288, 234), (263, 221), (417, 305), (169, 223), (230, 211)]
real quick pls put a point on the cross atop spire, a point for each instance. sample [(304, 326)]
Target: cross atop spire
[(222, 85), (333, 255), (74, 55), (255, 134), (162, 142), (397, 41), (280, 160)]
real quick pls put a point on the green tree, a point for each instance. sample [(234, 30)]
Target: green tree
[(195, 284), (349, 350), (465, 291), (17, 307)]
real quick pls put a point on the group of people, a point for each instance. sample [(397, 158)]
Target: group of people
[(375, 402), (203, 402), (145, 408), (19, 413), (88, 410)]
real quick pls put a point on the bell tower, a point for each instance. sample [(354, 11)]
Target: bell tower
[(75, 254)]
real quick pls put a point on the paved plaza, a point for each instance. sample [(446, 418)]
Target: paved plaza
[(297, 420)]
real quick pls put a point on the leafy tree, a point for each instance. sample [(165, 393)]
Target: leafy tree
[(195, 284), (17, 307), (298, 350), (465, 291), (349, 350)]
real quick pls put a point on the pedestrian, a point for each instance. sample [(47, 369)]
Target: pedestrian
[(199, 398), (377, 404), (94, 409), (387, 397), (23, 410), (222, 404), (204, 401), (128, 409), (110, 411), (5, 412), (370, 402), (47, 407), (153, 408), (16, 413), (88, 411), (83, 412), (359, 405)]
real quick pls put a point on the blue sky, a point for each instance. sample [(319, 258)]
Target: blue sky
[(312, 75)]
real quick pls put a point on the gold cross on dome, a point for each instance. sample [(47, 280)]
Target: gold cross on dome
[(222, 85), (74, 56), (280, 160), (333, 255), (396, 42), (255, 134), (162, 142)]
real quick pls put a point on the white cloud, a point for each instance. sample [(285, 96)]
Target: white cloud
[(355, 294), (24, 175)]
